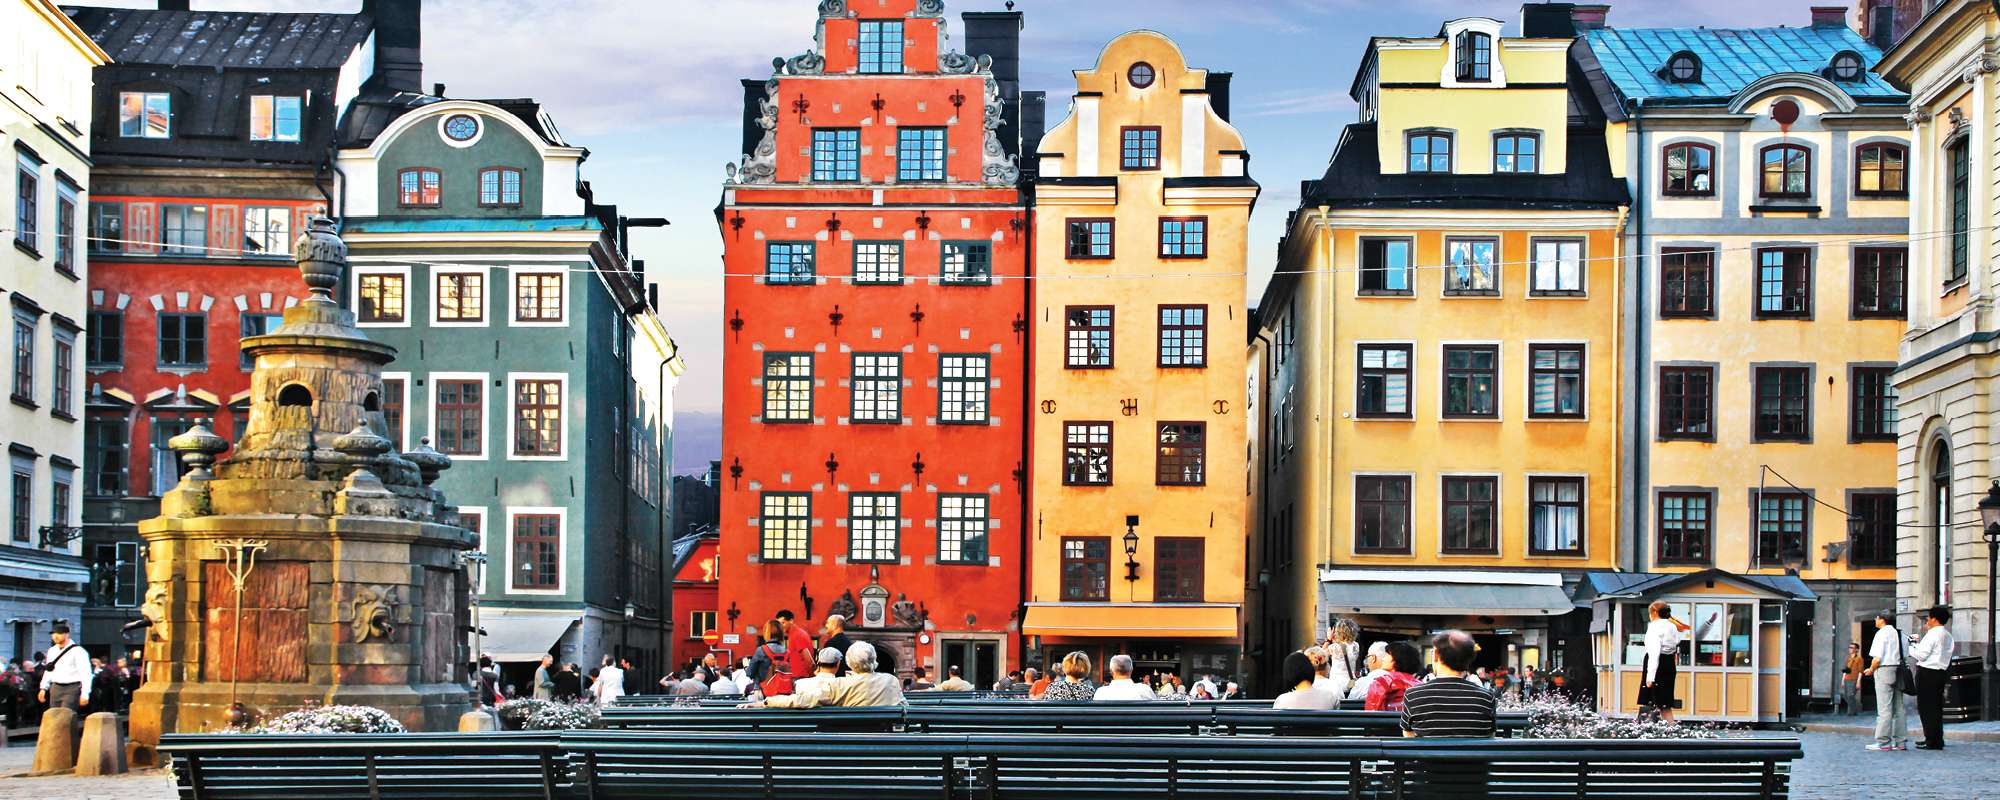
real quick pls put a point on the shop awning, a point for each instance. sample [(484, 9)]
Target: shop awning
[(27, 567), (1500, 594), (1133, 620), (518, 636)]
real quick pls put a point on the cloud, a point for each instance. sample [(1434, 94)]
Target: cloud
[(1299, 102)]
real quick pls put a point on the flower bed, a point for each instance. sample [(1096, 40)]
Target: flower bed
[(1552, 716), (333, 719), (526, 714)]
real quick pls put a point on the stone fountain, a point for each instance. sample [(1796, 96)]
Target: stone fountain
[(315, 565)]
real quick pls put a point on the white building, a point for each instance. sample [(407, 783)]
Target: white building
[(45, 69)]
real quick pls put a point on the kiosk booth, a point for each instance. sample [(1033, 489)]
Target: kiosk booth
[(1733, 660)]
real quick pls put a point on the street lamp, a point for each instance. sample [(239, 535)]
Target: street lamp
[(1989, 518), (1132, 547)]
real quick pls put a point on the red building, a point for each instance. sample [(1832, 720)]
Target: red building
[(874, 363), (695, 576)]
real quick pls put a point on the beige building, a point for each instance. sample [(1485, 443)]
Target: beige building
[(45, 69), (1949, 364)]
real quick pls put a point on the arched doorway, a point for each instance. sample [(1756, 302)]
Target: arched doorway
[(1938, 554)]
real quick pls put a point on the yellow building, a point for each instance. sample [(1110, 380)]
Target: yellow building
[(1442, 341), (1138, 497), (1769, 171)]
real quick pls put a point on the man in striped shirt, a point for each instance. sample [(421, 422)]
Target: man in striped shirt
[(1449, 704)]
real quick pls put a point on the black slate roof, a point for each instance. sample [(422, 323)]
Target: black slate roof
[(223, 38), (1354, 180)]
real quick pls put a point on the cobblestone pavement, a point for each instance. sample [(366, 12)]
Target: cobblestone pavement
[(1835, 768)]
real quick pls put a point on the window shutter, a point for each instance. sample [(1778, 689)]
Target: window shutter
[(225, 230), (1462, 49), (139, 230)]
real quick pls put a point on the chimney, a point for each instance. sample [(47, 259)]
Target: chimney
[(174, 5), (399, 38), (1829, 16), (1218, 92), (1547, 20), (997, 35), (1589, 17)]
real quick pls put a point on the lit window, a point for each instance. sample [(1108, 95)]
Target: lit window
[(872, 529), (461, 297), (1787, 171), (788, 387), (962, 529), (144, 115), (878, 262), (785, 526), (379, 297), (538, 297), (962, 389), (419, 187), (275, 118), (538, 417), (537, 551), (1878, 169), (878, 387)]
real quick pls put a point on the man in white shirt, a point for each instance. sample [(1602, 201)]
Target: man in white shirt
[(1892, 727), (1932, 658), (610, 683), (66, 681), (1378, 665), (1122, 687)]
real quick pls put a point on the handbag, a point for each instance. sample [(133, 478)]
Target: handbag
[(1905, 680)]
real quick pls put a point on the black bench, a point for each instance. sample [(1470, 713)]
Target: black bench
[(1557, 769), (251, 766), (723, 720), (765, 766), (1118, 719), (1267, 721)]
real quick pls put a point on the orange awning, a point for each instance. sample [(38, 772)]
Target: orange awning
[(1138, 620)]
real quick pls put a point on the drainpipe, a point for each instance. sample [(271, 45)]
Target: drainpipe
[(1027, 411), (1642, 324), (340, 177), (666, 560), (1263, 499)]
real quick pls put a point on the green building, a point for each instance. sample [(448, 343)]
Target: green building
[(529, 354)]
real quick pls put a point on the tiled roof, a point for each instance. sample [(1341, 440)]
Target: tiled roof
[(1355, 180), (227, 39), (1731, 59)]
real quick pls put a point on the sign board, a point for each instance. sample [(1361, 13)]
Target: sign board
[(711, 636), (732, 638), (1902, 605)]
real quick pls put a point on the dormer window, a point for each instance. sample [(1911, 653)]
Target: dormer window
[(1683, 67), (1475, 56), (144, 115), (1845, 67), (275, 118), (881, 45), (1430, 151)]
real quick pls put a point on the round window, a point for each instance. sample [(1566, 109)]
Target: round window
[(461, 127), (1141, 75), (1846, 67), (1684, 68), (1785, 112)]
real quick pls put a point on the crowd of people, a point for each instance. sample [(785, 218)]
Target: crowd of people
[(65, 676)]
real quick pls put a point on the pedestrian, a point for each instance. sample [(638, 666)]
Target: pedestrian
[(66, 681), (1931, 656), (1304, 694), (798, 644), (610, 683), (953, 681), (1888, 652), (1343, 652), (1850, 679), (771, 664), (1075, 685), (569, 683), (741, 677), (920, 680), (1663, 647), (834, 635), (1122, 687), (1385, 692), (488, 681), (1377, 663), (545, 682), (1038, 684), (862, 686), (1450, 704)]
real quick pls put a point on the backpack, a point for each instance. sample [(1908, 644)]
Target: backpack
[(780, 680)]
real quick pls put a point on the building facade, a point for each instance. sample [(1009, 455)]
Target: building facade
[(1142, 206), (45, 125), (208, 162), (530, 356), (1442, 344), (1949, 63), (697, 574), (1770, 178), (875, 240)]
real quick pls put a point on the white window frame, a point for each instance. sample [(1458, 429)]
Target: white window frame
[(485, 380), (484, 528), (516, 377), (284, 244), (485, 297), (354, 293), (271, 101), (1582, 292), (561, 514), (539, 269), (404, 445)]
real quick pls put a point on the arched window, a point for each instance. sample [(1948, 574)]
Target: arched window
[(1786, 170), (1878, 170), (1475, 56), (1683, 67), (1517, 151), (1689, 170), (1941, 538)]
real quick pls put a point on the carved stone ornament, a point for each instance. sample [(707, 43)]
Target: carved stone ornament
[(905, 612), (1957, 118), (155, 611), (844, 606), (322, 257), (806, 63), (1980, 65), (956, 63), (996, 166), (929, 8), (374, 613), (832, 9), (761, 166), (1918, 115)]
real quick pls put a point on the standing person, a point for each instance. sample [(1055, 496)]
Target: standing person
[(771, 664), (610, 684), (66, 681), (1663, 647), (1850, 679), (1343, 651), (1385, 692), (1892, 728), (569, 683), (545, 683), (1932, 658), (834, 635), (1304, 694), (1075, 685), (798, 644), (1122, 687), (1377, 662), (1451, 703)]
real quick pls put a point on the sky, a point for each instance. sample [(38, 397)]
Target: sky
[(651, 88)]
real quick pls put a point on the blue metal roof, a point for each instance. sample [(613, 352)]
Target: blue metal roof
[(1731, 59), (469, 224)]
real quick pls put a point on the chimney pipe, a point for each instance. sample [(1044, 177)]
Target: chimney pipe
[(174, 5), (1589, 17), (437, 90), (1829, 16), (399, 37)]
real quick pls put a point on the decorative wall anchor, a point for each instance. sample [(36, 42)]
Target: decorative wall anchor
[(1129, 406), (1020, 327), (923, 220), (799, 106), (917, 316), (374, 612), (917, 466), (1048, 406), (735, 471), (736, 322), (833, 222), (736, 224), (832, 467), (835, 317), (1221, 407), (878, 103)]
